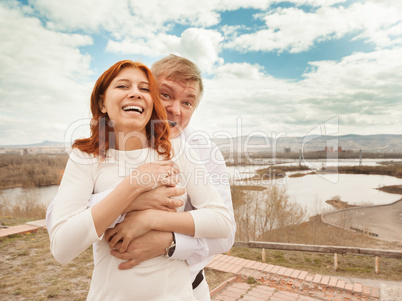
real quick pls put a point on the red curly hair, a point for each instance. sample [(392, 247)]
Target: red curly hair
[(157, 128)]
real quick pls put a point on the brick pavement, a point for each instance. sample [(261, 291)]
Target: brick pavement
[(20, 229), (260, 281)]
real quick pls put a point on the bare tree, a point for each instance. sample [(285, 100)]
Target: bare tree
[(257, 212)]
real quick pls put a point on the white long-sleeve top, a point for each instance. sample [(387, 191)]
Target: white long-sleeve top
[(199, 251), (73, 230), (196, 251)]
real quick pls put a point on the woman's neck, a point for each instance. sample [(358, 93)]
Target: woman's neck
[(130, 141)]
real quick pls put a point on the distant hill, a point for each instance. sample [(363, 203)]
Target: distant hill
[(45, 143), (367, 143)]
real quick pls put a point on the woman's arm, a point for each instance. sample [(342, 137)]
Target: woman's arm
[(147, 220), (74, 227), (147, 176), (212, 219)]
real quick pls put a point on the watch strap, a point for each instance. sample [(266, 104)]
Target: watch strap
[(170, 250)]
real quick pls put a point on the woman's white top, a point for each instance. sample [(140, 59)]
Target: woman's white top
[(73, 228)]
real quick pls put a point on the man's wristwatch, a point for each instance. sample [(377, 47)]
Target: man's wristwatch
[(170, 250)]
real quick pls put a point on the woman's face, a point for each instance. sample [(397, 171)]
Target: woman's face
[(128, 102)]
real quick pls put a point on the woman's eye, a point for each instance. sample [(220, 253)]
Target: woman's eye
[(145, 89), (121, 86)]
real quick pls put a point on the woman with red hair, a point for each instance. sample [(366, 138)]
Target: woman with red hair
[(129, 151)]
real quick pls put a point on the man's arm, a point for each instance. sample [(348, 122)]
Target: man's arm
[(148, 246), (194, 251), (161, 198)]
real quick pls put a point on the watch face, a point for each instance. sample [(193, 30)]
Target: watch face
[(171, 250)]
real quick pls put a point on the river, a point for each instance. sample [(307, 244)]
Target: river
[(311, 191)]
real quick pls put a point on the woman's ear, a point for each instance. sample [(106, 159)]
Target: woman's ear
[(101, 106)]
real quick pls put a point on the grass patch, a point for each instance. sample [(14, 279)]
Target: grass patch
[(318, 263), (31, 170), (25, 207), (396, 189), (215, 278), (29, 271)]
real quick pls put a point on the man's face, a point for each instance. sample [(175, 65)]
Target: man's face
[(179, 99)]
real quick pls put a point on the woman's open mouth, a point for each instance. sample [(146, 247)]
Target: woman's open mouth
[(136, 109)]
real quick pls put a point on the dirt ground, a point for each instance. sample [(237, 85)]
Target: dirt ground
[(28, 271)]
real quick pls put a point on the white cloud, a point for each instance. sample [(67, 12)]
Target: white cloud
[(363, 90), (223, 5), (141, 29), (243, 93), (199, 45), (126, 18), (156, 46), (382, 24), (43, 78), (294, 30), (237, 4), (239, 71), (202, 46), (76, 14)]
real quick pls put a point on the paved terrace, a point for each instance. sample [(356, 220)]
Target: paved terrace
[(260, 281)]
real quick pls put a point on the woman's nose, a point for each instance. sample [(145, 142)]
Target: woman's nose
[(135, 93)]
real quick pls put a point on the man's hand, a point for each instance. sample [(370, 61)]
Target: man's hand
[(161, 198), (134, 225), (148, 246)]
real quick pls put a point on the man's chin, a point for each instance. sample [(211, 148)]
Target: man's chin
[(174, 132)]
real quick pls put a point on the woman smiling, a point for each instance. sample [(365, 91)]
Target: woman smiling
[(129, 151)]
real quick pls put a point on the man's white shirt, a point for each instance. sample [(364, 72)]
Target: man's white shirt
[(196, 251), (199, 251)]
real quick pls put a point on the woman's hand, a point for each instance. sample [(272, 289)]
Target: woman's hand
[(155, 174), (139, 221), (161, 198)]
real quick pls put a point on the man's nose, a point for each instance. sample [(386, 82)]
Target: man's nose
[(174, 108)]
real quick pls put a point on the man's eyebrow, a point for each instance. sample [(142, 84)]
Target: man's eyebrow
[(194, 96), (166, 86)]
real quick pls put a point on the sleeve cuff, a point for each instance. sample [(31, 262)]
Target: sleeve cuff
[(186, 245)]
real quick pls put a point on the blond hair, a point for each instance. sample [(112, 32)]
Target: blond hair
[(174, 67)]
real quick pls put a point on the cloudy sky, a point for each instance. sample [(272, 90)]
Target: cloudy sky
[(270, 66)]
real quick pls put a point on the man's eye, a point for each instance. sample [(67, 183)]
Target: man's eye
[(187, 104), (166, 96)]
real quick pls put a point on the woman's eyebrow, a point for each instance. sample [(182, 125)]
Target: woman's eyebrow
[(128, 80)]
